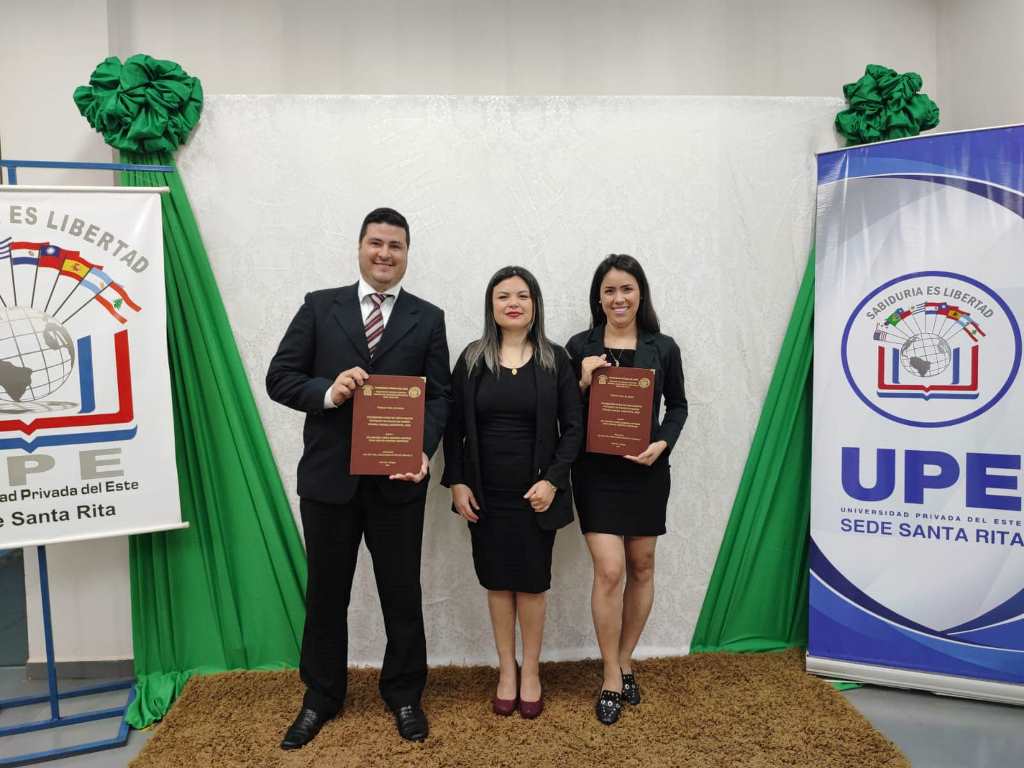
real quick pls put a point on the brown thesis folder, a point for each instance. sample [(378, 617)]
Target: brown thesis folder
[(387, 425), (621, 409)]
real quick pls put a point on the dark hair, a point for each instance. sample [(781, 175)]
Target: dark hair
[(646, 317), (385, 216), (488, 346)]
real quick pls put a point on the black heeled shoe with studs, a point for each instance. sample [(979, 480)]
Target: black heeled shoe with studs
[(630, 689), (608, 707)]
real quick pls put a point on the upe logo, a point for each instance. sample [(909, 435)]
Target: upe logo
[(65, 360), (931, 349)]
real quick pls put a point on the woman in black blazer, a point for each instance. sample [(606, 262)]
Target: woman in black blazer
[(622, 500), (514, 432)]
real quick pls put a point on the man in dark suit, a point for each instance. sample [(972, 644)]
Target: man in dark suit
[(339, 338)]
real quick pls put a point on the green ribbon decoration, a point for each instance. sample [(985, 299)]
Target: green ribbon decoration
[(143, 105), (885, 105)]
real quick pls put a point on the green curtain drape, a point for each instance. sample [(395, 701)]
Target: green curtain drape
[(228, 592), (757, 598), (884, 105)]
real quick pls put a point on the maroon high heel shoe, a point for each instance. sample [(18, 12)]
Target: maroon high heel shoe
[(528, 710), (506, 707)]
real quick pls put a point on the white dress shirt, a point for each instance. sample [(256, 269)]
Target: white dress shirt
[(366, 307)]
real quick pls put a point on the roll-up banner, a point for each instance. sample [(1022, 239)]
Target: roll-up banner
[(86, 432), (917, 535)]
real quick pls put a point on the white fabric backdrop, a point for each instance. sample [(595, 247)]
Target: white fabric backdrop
[(715, 196)]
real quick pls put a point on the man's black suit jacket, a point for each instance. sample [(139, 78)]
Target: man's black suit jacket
[(325, 338)]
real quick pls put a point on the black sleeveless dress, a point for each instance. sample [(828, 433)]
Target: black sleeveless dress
[(510, 551), (615, 495)]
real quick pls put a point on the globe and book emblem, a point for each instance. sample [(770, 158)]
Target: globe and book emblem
[(922, 343), (37, 355), (931, 349), (49, 328), (925, 355)]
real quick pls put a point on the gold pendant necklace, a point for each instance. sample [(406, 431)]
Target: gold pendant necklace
[(515, 368)]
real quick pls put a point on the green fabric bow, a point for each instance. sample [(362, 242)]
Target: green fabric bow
[(885, 105), (143, 105)]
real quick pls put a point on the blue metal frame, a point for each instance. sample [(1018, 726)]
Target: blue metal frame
[(54, 696), (79, 749), (12, 167)]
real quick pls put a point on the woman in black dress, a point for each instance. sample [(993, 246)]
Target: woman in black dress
[(514, 431), (622, 500)]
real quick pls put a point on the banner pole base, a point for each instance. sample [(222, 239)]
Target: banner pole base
[(893, 677)]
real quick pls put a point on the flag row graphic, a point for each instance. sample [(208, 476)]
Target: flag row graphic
[(940, 318), (45, 256)]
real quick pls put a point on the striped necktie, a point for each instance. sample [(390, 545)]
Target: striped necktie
[(375, 322)]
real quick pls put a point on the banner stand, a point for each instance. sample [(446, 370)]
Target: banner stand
[(54, 697), (56, 720), (916, 546)]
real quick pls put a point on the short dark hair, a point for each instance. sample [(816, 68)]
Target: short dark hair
[(646, 317), (385, 216)]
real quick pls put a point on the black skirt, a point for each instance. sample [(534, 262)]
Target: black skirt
[(510, 551), (614, 495)]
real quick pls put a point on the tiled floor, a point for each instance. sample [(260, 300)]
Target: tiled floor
[(943, 732)]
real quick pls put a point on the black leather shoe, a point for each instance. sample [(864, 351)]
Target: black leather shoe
[(306, 726), (630, 689), (609, 707), (411, 722)]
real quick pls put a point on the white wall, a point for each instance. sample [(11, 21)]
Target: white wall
[(981, 63), (748, 47), (788, 47), (38, 119)]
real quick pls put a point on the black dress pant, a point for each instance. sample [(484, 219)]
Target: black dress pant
[(394, 536)]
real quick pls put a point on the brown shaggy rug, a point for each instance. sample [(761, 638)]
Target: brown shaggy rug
[(699, 711)]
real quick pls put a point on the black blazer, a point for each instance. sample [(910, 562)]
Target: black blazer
[(653, 350), (559, 435), (325, 338)]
